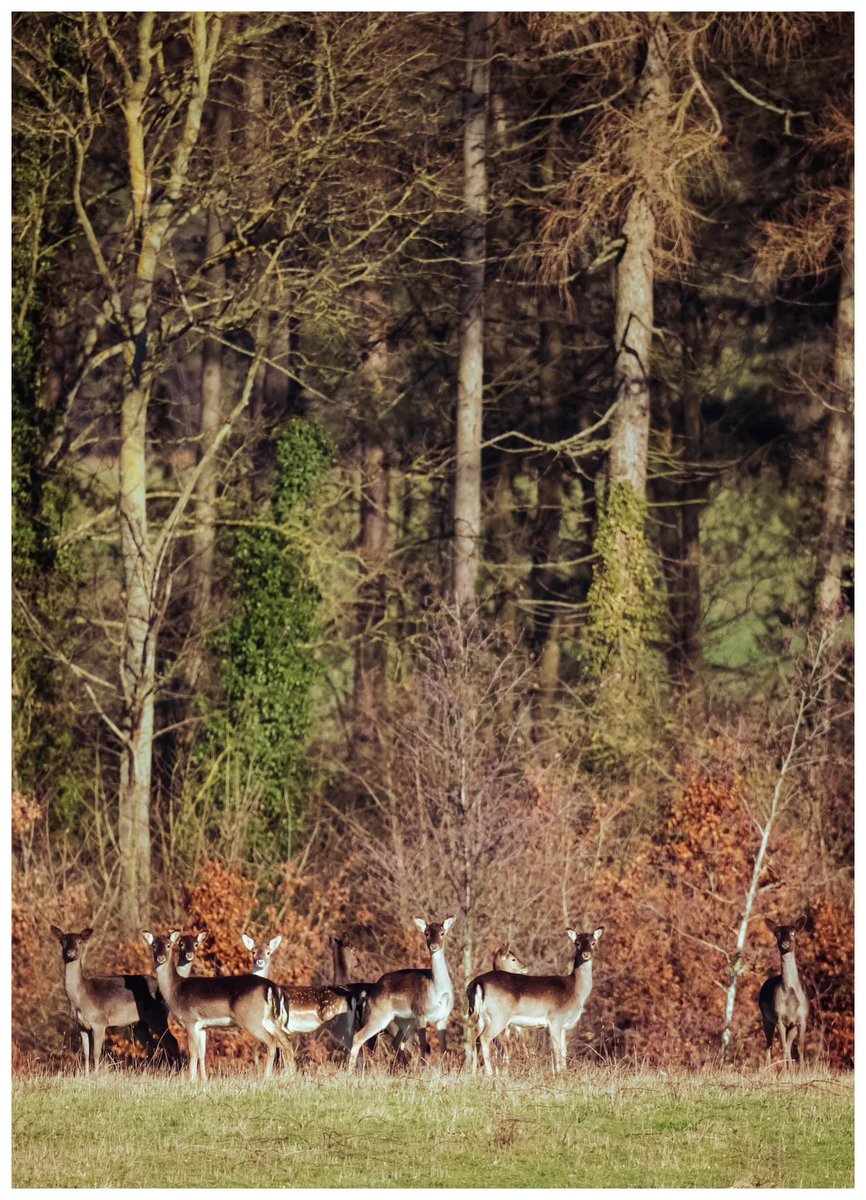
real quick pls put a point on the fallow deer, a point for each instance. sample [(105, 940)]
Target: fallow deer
[(101, 1002), (188, 946), (199, 1003), (499, 999), (262, 953), (423, 995), (309, 1007), (343, 1028), (506, 960), (782, 1000)]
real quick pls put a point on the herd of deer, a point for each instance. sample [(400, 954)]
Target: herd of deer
[(400, 1003)]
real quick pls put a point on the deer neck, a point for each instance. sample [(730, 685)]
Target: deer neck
[(439, 967), (790, 978), (581, 974), (341, 975), (168, 978), (74, 981)]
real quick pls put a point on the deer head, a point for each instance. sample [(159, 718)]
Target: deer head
[(785, 934), (434, 934), (71, 943), (585, 943)]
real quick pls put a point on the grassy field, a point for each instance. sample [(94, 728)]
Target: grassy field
[(586, 1128)]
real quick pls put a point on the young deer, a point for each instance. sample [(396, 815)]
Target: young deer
[(199, 1003), (425, 996), (188, 946), (309, 1007), (506, 960), (499, 999), (783, 1003), (261, 953), (100, 1002)]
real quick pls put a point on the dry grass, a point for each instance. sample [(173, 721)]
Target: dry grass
[(589, 1127)]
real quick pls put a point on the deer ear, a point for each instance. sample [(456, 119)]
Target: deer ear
[(148, 937), (597, 936), (800, 923), (55, 932), (248, 941), (275, 942), (447, 923), (771, 925), (200, 936), (174, 937), (422, 925), (86, 934), (572, 934)]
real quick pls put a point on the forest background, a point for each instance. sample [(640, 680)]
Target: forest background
[(432, 446)]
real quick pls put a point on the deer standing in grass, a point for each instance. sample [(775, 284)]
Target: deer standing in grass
[(100, 1002), (200, 1003), (309, 1007), (423, 995), (782, 1000), (400, 1030), (500, 999)]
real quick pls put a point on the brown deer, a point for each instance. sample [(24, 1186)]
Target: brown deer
[(200, 1003), (262, 953), (506, 960), (423, 995), (343, 1028), (188, 946), (101, 1002), (782, 1001), (309, 1007), (499, 999)]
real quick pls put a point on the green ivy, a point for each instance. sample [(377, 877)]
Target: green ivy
[(269, 663), (625, 597)]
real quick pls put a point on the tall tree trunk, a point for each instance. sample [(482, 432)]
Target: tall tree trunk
[(838, 445), (467, 482), (548, 517), (374, 523), (141, 568), (138, 665), (212, 388), (635, 277), (623, 606)]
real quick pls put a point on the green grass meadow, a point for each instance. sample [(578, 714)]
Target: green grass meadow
[(586, 1128)]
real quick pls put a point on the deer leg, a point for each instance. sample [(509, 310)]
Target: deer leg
[(557, 1038), (269, 1059), (376, 1022), (801, 1044), (98, 1040), (485, 1039), (85, 1049), (769, 1034), (441, 1036)]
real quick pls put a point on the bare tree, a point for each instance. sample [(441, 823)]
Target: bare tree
[(807, 717)]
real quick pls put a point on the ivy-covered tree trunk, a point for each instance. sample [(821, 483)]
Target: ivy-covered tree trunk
[(621, 603), (467, 479)]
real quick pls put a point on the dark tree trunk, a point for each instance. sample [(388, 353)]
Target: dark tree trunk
[(838, 447)]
